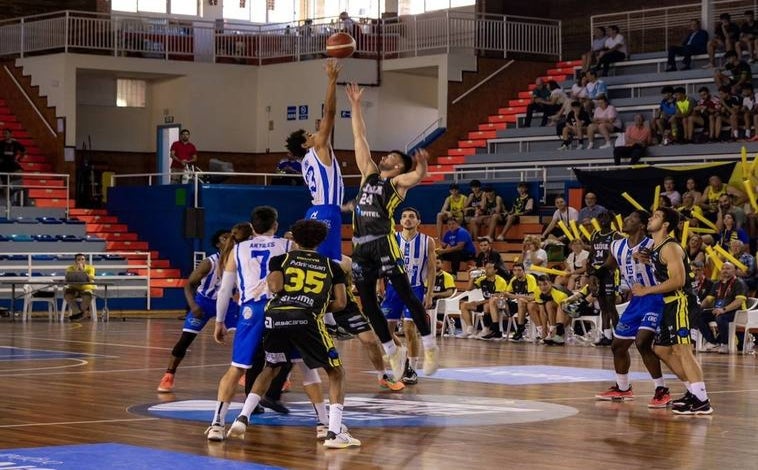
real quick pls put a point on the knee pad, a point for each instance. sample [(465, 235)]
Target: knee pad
[(180, 348), (310, 376)]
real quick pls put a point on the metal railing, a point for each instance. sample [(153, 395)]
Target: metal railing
[(499, 171), (16, 188), (655, 29), (169, 38), (433, 126)]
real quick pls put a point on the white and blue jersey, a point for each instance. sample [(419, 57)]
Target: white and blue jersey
[(205, 298), (212, 281), (643, 312), (327, 192), (252, 258), (415, 254)]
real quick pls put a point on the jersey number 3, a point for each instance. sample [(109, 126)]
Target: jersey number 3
[(304, 281)]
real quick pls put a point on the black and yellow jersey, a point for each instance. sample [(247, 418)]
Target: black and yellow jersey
[(491, 286), (308, 281), (601, 246), (661, 272), (374, 207)]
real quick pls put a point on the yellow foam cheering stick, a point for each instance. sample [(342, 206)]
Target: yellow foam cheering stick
[(717, 263), (585, 232), (702, 230), (656, 197), (729, 257), (574, 230), (566, 231), (540, 269), (750, 194), (685, 233), (596, 224), (632, 201), (743, 155), (753, 165), (619, 223), (704, 220)]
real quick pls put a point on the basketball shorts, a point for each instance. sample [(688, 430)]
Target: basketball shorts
[(609, 283), (352, 320), (311, 342), (393, 306), (249, 333), (331, 215), (675, 322), (642, 313), (377, 258), (208, 306)]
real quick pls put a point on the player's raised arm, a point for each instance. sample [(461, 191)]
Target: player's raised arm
[(412, 178), (330, 109), (362, 152)]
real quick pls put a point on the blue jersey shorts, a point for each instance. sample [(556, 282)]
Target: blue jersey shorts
[(393, 307), (208, 306), (642, 313), (247, 339), (331, 215)]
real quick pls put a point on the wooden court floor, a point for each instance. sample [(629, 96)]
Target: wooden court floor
[(99, 379)]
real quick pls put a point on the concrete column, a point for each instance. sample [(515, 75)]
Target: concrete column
[(390, 6), (707, 18)]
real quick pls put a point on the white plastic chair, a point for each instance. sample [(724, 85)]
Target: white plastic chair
[(92, 309), (451, 305), (438, 308), (32, 294), (745, 320)]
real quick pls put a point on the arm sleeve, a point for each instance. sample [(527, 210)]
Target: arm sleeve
[(228, 281), (338, 275), (275, 263)]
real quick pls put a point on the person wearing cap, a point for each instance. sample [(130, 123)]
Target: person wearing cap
[(452, 207)]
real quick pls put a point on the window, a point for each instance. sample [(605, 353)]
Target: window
[(233, 11), (184, 7), (124, 5), (130, 93), (152, 6)]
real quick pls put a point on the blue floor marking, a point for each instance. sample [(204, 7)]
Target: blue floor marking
[(530, 375)]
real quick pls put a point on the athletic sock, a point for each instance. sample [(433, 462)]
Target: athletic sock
[(251, 402), (219, 416), (389, 347), (429, 341), (698, 389), (329, 319), (622, 380), (171, 371), (659, 382), (320, 408), (688, 386), (335, 417), (540, 332), (608, 333)]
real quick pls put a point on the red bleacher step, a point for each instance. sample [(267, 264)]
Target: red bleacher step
[(527, 95), (568, 63), (82, 211), (431, 179), (53, 203), (31, 180), (482, 135), (519, 102), (116, 236), (125, 245), (472, 143), (451, 160), (34, 159), (154, 263), (493, 126), (156, 292), (160, 273), (38, 167), (37, 193), (96, 219), (167, 282), (512, 110), (153, 255), (106, 228), (462, 151)]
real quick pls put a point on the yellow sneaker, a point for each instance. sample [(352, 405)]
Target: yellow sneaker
[(431, 360), (389, 383)]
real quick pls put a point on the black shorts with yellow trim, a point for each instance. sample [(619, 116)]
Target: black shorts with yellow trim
[(352, 320), (675, 321), (377, 258), (609, 282), (311, 342)]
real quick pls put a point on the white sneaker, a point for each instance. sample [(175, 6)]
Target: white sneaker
[(215, 433), (485, 331), (397, 361), (606, 145), (238, 428), (323, 429), (431, 360), (590, 145), (723, 349), (341, 441), (563, 147), (709, 347), (466, 332)]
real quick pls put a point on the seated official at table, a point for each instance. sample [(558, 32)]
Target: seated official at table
[(79, 272)]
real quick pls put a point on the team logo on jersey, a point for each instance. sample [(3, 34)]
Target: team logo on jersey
[(384, 410), (247, 313)]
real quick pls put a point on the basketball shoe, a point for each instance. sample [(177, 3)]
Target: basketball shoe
[(167, 383)]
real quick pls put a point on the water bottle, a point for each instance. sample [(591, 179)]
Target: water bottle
[(450, 326)]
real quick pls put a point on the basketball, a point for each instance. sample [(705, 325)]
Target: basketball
[(340, 45)]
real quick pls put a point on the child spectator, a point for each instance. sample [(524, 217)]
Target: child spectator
[(709, 111), (726, 34), (598, 44), (685, 115), (559, 101), (575, 125), (605, 120), (731, 106), (695, 43), (579, 88), (473, 200), (615, 50), (523, 205), (595, 88), (636, 141), (669, 190), (739, 75), (666, 110)]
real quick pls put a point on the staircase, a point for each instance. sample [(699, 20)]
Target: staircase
[(505, 117)]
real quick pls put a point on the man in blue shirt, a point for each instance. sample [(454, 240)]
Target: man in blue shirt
[(695, 43), (292, 168), (457, 246)]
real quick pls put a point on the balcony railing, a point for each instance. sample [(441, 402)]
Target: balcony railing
[(208, 41)]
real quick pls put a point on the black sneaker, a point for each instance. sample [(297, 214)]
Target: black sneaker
[(492, 335), (603, 342), (259, 410), (685, 399), (275, 405), (518, 335), (409, 377), (695, 407)]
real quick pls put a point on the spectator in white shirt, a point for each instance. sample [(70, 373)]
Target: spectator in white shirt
[(563, 212), (605, 120), (615, 50), (598, 44)]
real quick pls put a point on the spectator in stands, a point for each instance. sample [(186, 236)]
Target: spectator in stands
[(637, 138), (11, 151), (684, 117), (473, 201), (695, 251), (691, 186), (575, 265), (595, 89), (444, 283), (669, 189), (663, 201), (559, 100), (346, 23), (726, 206), (663, 115), (523, 205), (722, 302), (578, 90), (605, 120), (708, 115), (726, 34), (591, 209), (702, 284), (731, 110), (563, 212), (457, 246), (738, 73), (730, 231), (748, 30), (575, 125), (488, 255), (183, 153), (739, 250), (551, 315), (533, 255), (750, 111), (541, 103), (452, 207), (78, 274), (490, 283), (488, 214), (688, 206), (520, 294), (290, 166), (614, 50), (695, 43), (598, 45)]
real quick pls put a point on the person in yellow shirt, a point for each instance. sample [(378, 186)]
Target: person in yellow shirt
[(444, 283), (490, 283), (77, 274), (551, 315), (451, 208), (520, 298)]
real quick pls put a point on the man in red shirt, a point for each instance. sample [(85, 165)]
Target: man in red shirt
[(183, 153)]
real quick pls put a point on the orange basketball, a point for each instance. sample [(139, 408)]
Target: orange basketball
[(340, 45)]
